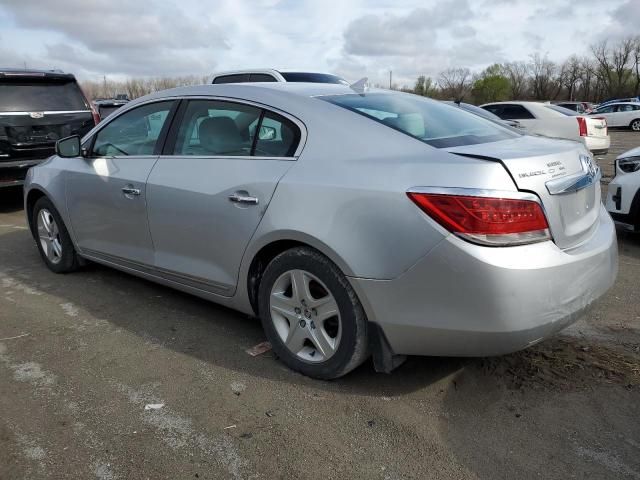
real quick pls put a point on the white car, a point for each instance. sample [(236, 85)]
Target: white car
[(623, 196), (556, 122), (624, 114), (270, 75)]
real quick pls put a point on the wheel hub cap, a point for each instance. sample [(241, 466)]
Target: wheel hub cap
[(306, 316), (49, 236)]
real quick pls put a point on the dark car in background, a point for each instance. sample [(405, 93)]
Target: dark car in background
[(106, 106), (37, 108), (580, 107)]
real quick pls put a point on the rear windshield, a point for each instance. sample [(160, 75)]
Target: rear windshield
[(312, 77), (432, 122), (563, 110), (40, 96)]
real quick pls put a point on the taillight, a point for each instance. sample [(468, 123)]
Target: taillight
[(96, 115), (582, 126), (492, 221)]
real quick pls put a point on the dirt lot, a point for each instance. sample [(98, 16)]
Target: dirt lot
[(82, 354)]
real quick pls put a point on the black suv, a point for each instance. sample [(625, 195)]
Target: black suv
[(37, 108)]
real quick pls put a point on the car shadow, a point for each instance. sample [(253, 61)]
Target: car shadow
[(195, 327), (11, 199)]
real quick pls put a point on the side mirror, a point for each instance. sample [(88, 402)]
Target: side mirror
[(267, 133), (68, 147)]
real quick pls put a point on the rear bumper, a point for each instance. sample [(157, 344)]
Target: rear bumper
[(467, 300), (598, 145), (13, 173)]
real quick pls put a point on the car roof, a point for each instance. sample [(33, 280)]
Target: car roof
[(17, 72), (301, 89)]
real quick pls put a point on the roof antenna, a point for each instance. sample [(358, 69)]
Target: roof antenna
[(361, 86)]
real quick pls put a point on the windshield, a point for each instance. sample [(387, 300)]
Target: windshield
[(562, 110), (26, 96), (432, 122), (312, 77)]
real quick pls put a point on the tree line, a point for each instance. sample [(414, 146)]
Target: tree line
[(136, 87), (610, 70)]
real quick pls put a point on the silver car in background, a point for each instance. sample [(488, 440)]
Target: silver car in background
[(352, 223)]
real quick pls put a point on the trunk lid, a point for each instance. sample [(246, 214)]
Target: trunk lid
[(561, 173), (596, 126)]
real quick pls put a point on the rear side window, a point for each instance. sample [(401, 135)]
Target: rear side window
[(135, 132), (238, 78), (514, 112), (562, 110), (278, 136), (261, 77), (40, 96), (432, 122)]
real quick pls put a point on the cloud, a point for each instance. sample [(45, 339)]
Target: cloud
[(353, 38)]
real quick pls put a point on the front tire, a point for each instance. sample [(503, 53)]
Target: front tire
[(635, 125), (311, 315), (52, 237)]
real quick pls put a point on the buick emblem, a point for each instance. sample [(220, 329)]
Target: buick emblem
[(587, 164), (36, 114)]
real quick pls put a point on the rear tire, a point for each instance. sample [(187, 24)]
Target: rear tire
[(635, 125), (311, 315), (52, 238)]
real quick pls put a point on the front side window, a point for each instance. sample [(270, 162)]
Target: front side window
[(606, 109), (434, 123), (135, 132), (219, 128)]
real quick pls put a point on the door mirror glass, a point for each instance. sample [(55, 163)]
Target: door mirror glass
[(68, 147), (267, 133)]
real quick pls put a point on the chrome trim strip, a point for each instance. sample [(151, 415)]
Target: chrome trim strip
[(477, 192), (201, 283), (46, 112), (227, 157), (573, 183)]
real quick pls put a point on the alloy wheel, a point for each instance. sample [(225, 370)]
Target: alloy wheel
[(49, 236), (635, 126), (305, 315)]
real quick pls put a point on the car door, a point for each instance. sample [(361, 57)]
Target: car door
[(211, 186), (106, 192)]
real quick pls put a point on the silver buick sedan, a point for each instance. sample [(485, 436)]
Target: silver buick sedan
[(353, 223)]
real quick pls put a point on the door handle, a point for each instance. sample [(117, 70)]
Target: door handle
[(131, 191), (240, 198)]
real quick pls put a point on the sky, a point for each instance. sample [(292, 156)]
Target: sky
[(352, 38)]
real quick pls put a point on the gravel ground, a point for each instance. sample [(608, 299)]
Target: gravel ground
[(81, 355)]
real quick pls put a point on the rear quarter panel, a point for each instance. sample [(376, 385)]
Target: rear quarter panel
[(346, 194)]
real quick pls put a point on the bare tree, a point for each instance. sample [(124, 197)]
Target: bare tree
[(518, 75), (571, 75), (455, 83), (544, 79)]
